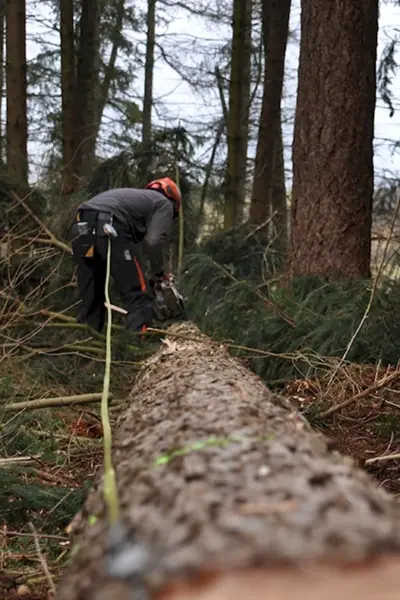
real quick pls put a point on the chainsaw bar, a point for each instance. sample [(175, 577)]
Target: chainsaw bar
[(168, 303)]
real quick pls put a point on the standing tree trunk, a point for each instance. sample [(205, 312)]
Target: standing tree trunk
[(269, 155), (109, 72), (221, 127), (217, 475), (86, 93), (67, 91), (148, 75), (2, 78), (238, 115), (17, 126), (279, 208), (332, 147)]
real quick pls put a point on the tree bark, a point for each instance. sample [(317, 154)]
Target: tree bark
[(207, 176), (17, 126), (109, 71), (86, 93), (275, 20), (280, 221), (216, 473), (2, 76), (218, 136), (149, 75), (332, 147), (220, 85), (238, 113), (68, 74)]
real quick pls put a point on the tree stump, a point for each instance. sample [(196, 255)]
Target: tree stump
[(233, 494)]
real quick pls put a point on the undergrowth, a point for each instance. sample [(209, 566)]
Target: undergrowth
[(37, 491), (302, 323)]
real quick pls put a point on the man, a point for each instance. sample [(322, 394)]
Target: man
[(134, 215)]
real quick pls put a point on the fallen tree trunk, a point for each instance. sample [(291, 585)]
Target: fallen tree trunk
[(218, 476)]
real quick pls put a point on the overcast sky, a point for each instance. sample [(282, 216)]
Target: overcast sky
[(185, 106)]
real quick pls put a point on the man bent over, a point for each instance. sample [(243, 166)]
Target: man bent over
[(135, 215)]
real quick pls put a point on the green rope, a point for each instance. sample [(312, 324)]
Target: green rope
[(181, 226), (110, 482)]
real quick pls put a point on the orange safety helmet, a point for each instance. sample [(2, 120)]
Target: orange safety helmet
[(169, 189)]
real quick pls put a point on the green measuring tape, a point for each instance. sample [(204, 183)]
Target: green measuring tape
[(111, 497)]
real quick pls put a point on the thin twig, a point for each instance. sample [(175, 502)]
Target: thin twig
[(383, 458), (60, 401), (267, 222), (45, 536), (42, 559), (367, 392), (392, 404), (14, 460)]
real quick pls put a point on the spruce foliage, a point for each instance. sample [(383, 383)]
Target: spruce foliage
[(232, 288)]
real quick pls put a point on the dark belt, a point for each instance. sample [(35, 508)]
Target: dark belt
[(94, 215), (96, 219)]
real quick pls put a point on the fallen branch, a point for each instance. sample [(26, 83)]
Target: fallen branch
[(66, 347), (383, 458), (68, 319), (51, 237), (49, 242), (58, 402), (45, 536), (367, 392), (42, 559), (17, 460), (216, 475), (56, 315)]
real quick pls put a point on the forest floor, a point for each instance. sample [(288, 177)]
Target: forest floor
[(368, 429), (67, 449)]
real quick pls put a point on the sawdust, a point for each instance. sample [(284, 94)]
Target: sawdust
[(262, 486)]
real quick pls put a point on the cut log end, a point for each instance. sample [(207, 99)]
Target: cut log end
[(368, 580), (377, 580), (217, 473)]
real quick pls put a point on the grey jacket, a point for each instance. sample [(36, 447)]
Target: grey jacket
[(147, 214)]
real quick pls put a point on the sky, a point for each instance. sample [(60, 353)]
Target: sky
[(183, 105)]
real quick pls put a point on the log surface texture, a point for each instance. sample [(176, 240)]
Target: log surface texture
[(269, 492)]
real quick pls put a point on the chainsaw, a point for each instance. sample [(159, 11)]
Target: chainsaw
[(168, 302)]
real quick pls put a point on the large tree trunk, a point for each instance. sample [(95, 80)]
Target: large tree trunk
[(109, 70), (2, 76), (279, 209), (149, 74), (238, 115), (145, 159), (17, 126), (67, 91), (217, 473), (332, 148), (86, 93), (218, 137), (275, 20)]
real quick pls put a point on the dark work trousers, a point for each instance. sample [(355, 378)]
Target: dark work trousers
[(89, 246)]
